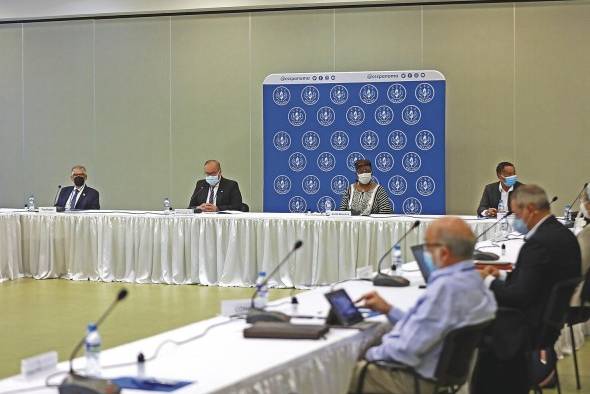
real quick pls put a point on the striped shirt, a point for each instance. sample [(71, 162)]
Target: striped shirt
[(381, 202)]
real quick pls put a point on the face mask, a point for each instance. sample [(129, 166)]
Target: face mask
[(520, 226), (365, 178), (510, 180), (429, 261), (79, 181), (212, 179), (584, 210)]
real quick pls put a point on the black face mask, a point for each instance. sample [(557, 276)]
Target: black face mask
[(79, 181)]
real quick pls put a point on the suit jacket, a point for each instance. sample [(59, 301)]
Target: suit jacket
[(491, 197), (228, 195), (88, 200), (551, 255)]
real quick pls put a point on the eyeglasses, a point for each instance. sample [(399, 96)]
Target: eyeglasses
[(431, 245)]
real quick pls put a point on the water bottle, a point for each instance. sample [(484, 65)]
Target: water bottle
[(397, 258), (167, 206), (504, 223), (261, 291), (328, 207), (93, 344), (566, 212), (31, 203)]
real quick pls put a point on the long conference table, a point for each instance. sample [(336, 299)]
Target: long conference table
[(208, 249)]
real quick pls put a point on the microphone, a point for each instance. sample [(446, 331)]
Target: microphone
[(258, 314), (56, 195), (382, 279), (568, 218), (74, 383)]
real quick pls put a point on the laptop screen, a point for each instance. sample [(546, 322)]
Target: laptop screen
[(418, 252)]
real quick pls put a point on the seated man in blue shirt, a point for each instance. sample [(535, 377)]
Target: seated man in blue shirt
[(455, 297)]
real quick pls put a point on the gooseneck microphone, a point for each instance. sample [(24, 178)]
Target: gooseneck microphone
[(258, 314), (74, 383), (576, 199), (56, 195), (382, 279)]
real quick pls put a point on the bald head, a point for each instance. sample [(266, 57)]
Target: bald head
[(451, 239)]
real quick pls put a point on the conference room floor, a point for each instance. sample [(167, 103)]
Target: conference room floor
[(43, 315)]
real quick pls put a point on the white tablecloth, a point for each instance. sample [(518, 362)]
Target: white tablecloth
[(11, 264), (226, 250)]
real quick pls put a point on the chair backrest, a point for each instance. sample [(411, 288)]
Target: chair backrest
[(556, 310), (245, 207), (457, 354)]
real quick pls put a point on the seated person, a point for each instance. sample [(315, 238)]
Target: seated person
[(550, 254), (365, 196), (216, 193), (499, 191), (455, 297), (80, 196), (584, 241)]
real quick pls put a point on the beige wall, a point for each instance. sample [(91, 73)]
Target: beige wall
[(144, 102)]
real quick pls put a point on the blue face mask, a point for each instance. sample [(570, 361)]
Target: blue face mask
[(212, 179), (520, 226), (510, 180), (429, 261)]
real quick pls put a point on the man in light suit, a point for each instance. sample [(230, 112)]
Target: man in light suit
[(80, 196), (499, 191), (216, 193)]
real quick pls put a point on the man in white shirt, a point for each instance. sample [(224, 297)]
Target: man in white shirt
[(80, 196), (216, 193)]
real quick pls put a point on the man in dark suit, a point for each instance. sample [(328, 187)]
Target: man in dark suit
[(216, 193), (549, 255), (80, 196), (499, 191)]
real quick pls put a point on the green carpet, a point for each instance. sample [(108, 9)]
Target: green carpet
[(42, 315)]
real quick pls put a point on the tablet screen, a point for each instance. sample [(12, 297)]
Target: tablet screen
[(344, 308)]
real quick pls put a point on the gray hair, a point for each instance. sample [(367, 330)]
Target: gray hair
[(531, 195), (459, 245), (586, 194), (79, 167), (214, 161)]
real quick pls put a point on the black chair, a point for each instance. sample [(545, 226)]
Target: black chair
[(454, 364), (577, 315), (245, 207), (553, 321)]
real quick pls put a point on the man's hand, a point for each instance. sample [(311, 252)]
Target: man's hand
[(206, 207), (375, 302), (492, 212), (489, 270)]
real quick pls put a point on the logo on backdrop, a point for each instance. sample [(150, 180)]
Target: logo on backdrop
[(310, 184), (411, 162), (425, 186), (326, 203), (355, 115), (384, 161), (412, 206), (368, 94), (369, 140), (282, 184), (424, 93), (352, 158), (281, 140), (310, 140), (326, 116), (339, 184), (424, 140), (411, 115), (396, 93), (338, 94), (397, 185), (339, 140), (296, 116), (297, 204), (310, 95), (326, 161), (297, 162), (281, 95), (383, 115), (397, 140)]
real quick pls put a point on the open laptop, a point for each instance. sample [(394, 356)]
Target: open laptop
[(418, 252)]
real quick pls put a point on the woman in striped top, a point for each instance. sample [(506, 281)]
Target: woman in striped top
[(365, 196)]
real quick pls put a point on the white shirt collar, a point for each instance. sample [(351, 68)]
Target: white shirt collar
[(502, 189), (534, 229)]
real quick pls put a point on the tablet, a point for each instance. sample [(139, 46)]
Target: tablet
[(343, 309)]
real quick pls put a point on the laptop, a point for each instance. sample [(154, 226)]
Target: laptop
[(418, 252)]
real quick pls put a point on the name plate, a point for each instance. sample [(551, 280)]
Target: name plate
[(47, 209), (235, 307), (183, 211), (36, 364), (339, 213)]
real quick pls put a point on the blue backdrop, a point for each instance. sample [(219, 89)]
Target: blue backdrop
[(317, 125)]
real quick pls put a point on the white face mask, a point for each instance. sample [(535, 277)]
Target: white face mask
[(584, 210), (365, 178)]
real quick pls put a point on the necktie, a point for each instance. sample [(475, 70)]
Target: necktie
[(73, 202), (211, 191)]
